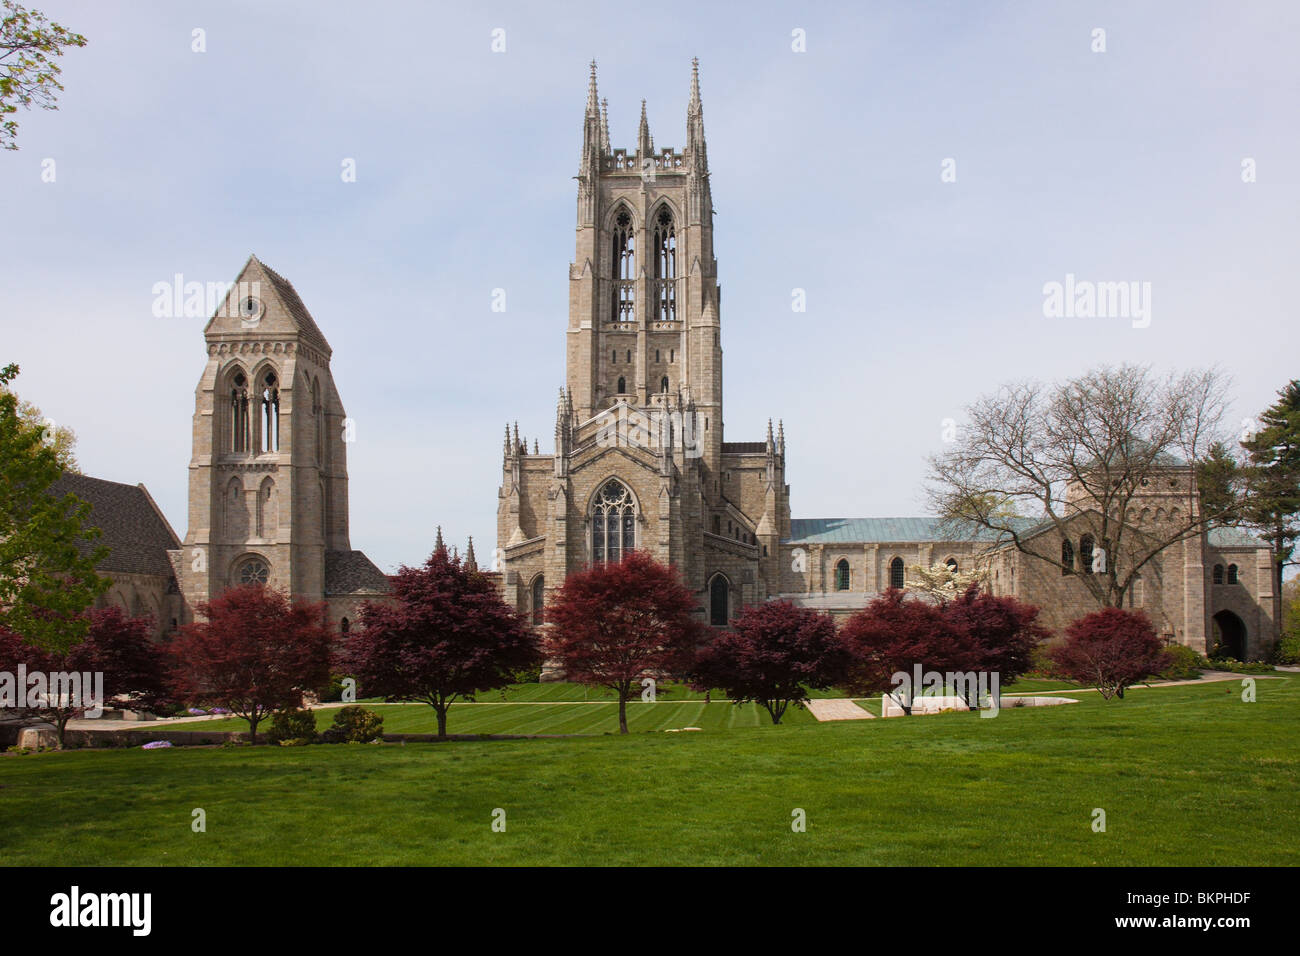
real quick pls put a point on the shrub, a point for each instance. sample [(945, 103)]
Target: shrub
[(354, 725), (333, 691), (297, 725), (1042, 666), (1288, 649), (1184, 663), (1111, 649)]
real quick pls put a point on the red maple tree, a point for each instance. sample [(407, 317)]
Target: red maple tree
[(445, 635), (995, 634), (773, 654), (1111, 649), (256, 653), (894, 634), (616, 624), (116, 646)]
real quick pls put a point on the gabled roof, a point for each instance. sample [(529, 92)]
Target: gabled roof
[(881, 530), (307, 326), (134, 530), (351, 572)]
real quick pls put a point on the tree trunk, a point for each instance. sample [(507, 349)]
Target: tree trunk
[(441, 710), (253, 721), (61, 724), (622, 711)]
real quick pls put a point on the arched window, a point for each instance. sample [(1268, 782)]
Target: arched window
[(345, 626), (239, 431), (1086, 545), (719, 601), (717, 524), (269, 422), (1232, 574), (539, 599), (623, 266), (622, 385), (842, 575), (1218, 574), (267, 519), (951, 565), (896, 573), (1067, 557), (663, 385), (613, 523), (665, 244)]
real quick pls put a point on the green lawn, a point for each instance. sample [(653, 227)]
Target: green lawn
[(497, 717), (1186, 775)]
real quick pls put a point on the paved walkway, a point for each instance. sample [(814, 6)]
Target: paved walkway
[(838, 708)]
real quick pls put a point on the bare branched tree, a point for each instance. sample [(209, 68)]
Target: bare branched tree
[(1085, 456)]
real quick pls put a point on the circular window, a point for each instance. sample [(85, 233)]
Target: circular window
[(254, 572), (250, 308)]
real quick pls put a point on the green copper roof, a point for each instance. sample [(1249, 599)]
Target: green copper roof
[(859, 530), (1234, 538)]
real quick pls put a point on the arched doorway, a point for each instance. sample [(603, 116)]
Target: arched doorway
[(1230, 635), (719, 601)]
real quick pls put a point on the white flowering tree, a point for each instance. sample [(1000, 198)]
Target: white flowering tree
[(941, 581)]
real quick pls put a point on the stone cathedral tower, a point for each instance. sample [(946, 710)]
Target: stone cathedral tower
[(268, 488), (640, 459)]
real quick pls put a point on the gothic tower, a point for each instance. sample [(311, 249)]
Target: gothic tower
[(268, 488), (640, 460)]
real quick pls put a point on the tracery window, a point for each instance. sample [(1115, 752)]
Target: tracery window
[(665, 245), (842, 575), (270, 418), (613, 523), (254, 571), (239, 431), (896, 573), (623, 265), (1232, 574)]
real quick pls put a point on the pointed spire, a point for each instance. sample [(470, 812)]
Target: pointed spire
[(470, 561), (535, 446), (517, 436), (695, 123), (604, 127), (780, 438), (506, 446), (643, 146), (438, 544), (593, 102)]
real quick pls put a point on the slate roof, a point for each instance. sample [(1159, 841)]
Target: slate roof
[(307, 326), (866, 530), (351, 572), (133, 528)]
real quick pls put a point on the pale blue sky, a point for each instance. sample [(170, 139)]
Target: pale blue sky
[(1123, 165)]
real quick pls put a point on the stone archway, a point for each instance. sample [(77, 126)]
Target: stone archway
[(1230, 635)]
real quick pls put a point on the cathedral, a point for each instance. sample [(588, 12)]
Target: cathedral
[(639, 461)]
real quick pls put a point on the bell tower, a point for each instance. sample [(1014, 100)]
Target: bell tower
[(643, 293), (268, 487)]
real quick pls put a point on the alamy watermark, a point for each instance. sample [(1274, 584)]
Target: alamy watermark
[(1085, 299), (653, 429), (38, 690)]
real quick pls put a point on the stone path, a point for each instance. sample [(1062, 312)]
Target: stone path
[(838, 708)]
